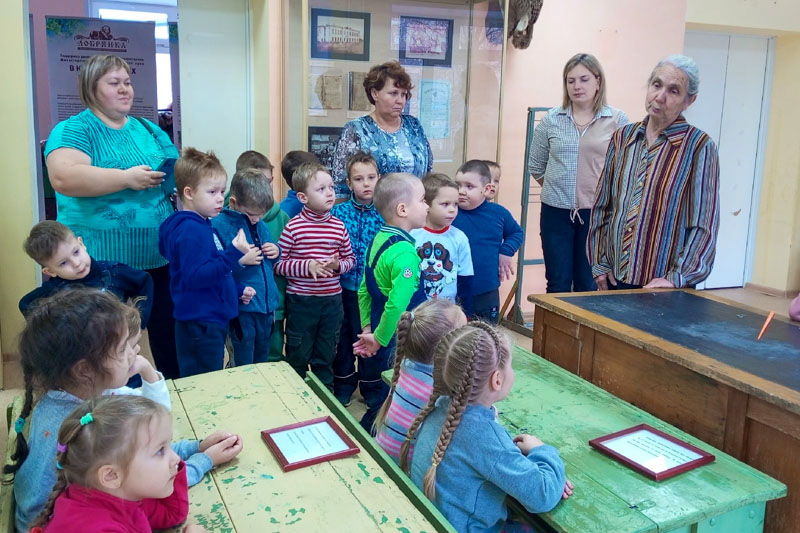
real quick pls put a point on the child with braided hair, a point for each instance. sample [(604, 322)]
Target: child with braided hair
[(76, 345), (116, 471), (412, 381), (464, 460)]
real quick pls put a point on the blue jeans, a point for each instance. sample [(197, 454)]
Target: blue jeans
[(254, 345), (200, 346), (566, 266)]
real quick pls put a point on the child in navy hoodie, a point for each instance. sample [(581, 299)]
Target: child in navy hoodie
[(201, 266), (250, 199), (494, 237)]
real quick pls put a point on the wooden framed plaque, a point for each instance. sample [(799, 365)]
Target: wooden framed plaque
[(651, 452), (308, 443)]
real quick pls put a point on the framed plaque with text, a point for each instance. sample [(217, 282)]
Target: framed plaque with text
[(651, 452), (308, 443)]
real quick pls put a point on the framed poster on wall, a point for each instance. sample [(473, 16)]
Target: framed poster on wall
[(339, 35), (322, 142), (426, 41)]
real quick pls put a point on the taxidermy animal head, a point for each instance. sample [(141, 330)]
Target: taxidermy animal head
[(522, 15)]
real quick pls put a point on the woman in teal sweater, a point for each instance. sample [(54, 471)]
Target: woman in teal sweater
[(101, 163)]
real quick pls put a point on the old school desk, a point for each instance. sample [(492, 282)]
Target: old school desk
[(253, 495), (693, 360), (726, 496)]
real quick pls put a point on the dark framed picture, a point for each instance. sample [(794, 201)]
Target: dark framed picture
[(339, 35), (426, 41), (308, 443), (322, 142), (651, 452)]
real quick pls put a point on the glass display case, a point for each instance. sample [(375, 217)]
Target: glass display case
[(452, 50)]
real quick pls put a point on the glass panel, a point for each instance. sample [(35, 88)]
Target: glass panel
[(452, 52)]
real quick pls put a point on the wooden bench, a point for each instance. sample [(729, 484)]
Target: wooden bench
[(566, 411), (252, 493), (691, 359)]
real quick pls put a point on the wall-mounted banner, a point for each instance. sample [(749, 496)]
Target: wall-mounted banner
[(71, 41)]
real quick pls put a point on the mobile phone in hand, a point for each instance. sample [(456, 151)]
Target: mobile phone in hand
[(168, 168)]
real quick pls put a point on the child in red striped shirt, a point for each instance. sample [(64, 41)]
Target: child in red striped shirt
[(315, 250)]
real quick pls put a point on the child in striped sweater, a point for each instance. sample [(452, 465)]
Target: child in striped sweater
[(315, 251), (418, 331)]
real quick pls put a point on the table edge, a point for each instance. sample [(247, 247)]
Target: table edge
[(757, 386)]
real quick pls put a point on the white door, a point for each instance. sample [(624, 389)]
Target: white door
[(215, 77), (734, 71)]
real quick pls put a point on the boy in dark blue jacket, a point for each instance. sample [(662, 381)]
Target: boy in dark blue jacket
[(494, 237), (64, 258), (250, 198), (201, 266)]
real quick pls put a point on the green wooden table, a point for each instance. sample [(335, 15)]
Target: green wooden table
[(562, 409), (253, 494)]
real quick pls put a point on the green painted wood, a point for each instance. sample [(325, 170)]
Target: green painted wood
[(206, 506), (349, 494), (368, 444), (566, 411), (594, 509), (742, 520)]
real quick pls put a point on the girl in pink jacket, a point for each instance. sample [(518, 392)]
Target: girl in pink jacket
[(116, 471)]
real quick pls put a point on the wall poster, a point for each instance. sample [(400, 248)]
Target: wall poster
[(71, 41), (434, 108)]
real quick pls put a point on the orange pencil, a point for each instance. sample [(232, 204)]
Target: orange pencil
[(766, 323)]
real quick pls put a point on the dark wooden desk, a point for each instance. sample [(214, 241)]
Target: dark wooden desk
[(692, 360)]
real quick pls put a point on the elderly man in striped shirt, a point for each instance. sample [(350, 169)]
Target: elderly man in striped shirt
[(656, 213)]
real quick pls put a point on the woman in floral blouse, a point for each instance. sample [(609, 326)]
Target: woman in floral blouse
[(396, 141)]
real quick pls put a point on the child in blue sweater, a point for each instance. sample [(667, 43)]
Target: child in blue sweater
[(464, 460), (250, 199), (78, 344), (205, 295), (363, 222), (494, 237)]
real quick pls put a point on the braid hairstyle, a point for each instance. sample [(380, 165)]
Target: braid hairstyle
[(416, 332), (75, 324), (440, 352), (468, 361), (112, 436)]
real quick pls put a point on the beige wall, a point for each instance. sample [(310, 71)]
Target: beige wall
[(627, 36), (776, 262), (756, 16), (17, 271), (777, 255)]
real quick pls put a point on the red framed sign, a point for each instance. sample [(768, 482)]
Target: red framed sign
[(651, 452), (308, 443)]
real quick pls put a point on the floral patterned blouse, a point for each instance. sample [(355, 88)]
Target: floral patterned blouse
[(406, 150)]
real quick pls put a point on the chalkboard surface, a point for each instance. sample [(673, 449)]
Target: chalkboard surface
[(723, 332)]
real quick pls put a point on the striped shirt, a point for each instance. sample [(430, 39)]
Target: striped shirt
[(310, 236), (568, 162), (657, 208), (411, 394)]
